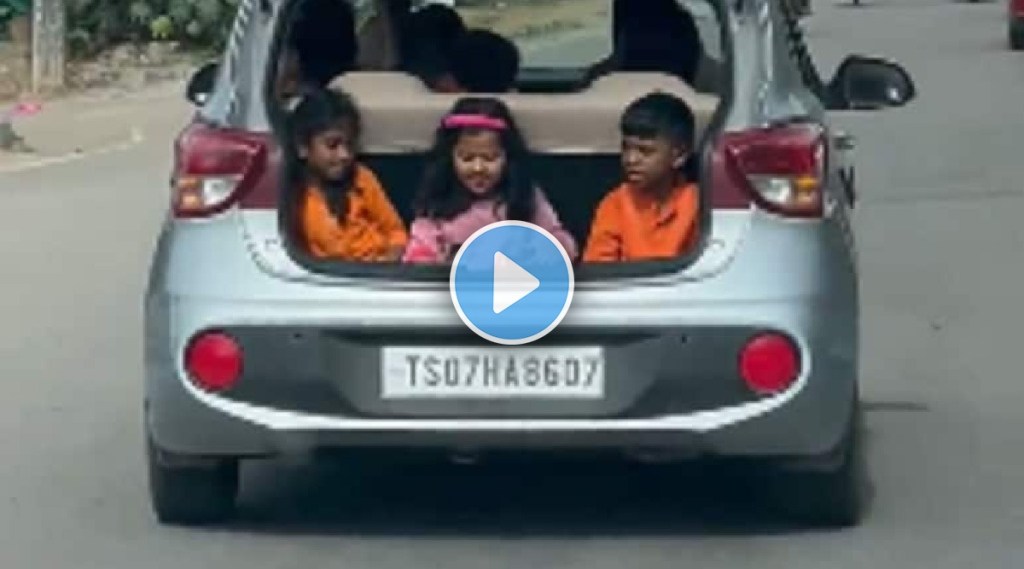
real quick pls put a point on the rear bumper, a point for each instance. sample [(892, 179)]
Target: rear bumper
[(807, 420)]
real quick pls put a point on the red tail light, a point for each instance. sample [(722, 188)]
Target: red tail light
[(214, 361), (214, 167), (780, 168), (769, 363)]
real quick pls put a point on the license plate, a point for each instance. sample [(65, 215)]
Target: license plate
[(508, 372)]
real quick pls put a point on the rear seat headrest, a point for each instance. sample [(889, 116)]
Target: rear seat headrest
[(400, 114)]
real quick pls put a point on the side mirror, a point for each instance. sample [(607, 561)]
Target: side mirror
[(867, 83), (201, 84)]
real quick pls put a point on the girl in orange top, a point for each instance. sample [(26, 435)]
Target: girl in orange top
[(344, 213), (653, 214)]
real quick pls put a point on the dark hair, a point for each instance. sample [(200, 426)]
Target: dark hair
[(638, 16), (485, 62), (320, 110), (442, 195), (429, 37), (324, 36), (437, 23), (661, 115), (660, 35)]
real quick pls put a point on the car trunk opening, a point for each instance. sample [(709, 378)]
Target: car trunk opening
[(568, 115)]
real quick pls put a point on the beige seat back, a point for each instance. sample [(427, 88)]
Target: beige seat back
[(401, 114)]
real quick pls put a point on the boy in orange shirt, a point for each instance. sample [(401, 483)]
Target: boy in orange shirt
[(653, 213)]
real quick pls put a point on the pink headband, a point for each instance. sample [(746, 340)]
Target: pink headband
[(473, 121)]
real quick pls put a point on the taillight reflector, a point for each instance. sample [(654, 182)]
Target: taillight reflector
[(781, 168), (769, 363), (213, 361), (213, 168)]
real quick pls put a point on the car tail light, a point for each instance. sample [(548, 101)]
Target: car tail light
[(781, 168), (769, 363), (214, 167), (213, 361)]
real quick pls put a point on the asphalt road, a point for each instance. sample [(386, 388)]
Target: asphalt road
[(940, 243)]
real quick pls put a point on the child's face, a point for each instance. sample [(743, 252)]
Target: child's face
[(651, 163), (479, 161), (329, 154)]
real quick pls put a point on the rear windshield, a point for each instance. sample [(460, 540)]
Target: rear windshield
[(568, 33), (513, 45)]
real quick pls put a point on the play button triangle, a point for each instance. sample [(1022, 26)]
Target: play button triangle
[(512, 283)]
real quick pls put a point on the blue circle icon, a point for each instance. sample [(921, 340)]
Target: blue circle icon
[(512, 282)]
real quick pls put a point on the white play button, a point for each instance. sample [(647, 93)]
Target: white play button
[(512, 283)]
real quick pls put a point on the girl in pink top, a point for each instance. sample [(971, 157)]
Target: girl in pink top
[(478, 176)]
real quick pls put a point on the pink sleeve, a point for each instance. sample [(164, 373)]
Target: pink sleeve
[(424, 242), (547, 218)]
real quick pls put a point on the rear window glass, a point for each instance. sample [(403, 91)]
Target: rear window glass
[(509, 42), (567, 33), (552, 33)]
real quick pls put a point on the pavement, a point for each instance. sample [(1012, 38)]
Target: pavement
[(940, 240), (95, 122)]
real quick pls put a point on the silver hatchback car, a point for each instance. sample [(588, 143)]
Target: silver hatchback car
[(747, 347)]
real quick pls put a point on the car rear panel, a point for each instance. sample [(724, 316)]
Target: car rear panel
[(318, 385), (338, 371), (313, 351)]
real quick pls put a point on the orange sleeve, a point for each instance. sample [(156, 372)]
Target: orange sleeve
[(324, 235), (689, 208), (382, 211), (604, 244), (372, 231)]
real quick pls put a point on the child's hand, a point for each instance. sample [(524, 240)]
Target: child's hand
[(395, 253), (420, 253)]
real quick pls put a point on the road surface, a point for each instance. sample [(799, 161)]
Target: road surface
[(940, 242)]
